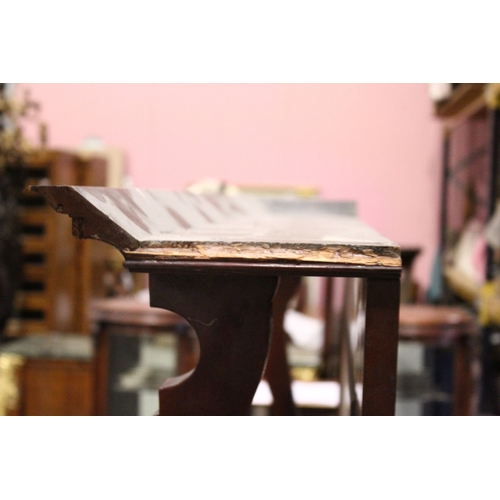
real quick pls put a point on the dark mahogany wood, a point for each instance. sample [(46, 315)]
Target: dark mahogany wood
[(274, 268), (381, 347), (163, 226), (232, 319), (101, 369), (328, 361), (277, 368), (463, 384)]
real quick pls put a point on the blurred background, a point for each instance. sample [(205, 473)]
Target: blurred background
[(388, 148)]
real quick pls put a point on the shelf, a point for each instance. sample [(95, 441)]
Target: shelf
[(54, 295), (29, 300), (34, 272), (35, 244), (466, 100)]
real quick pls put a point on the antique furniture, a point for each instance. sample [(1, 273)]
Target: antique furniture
[(447, 327), (59, 273), (128, 316), (54, 374), (216, 261)]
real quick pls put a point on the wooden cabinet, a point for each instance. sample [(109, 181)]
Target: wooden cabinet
[(54, 374), (60, 272), (56, 387)]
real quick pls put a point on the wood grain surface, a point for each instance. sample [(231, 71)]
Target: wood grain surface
[(150, 225)]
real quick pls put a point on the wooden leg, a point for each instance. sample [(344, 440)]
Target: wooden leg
[(101, 363), (329, 359), (381, 347), (463, 384), (187, 350), (277, 369), (231, 315)]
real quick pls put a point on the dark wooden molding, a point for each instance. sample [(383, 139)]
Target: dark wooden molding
[(88, 221), (462, 97), (162, 226)]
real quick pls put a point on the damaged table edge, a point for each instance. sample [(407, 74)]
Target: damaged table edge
[(198, 288)]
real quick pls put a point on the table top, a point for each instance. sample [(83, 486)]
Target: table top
[(168, 229)]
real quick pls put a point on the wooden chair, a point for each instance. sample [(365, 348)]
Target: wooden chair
[(127, 316), (447, 327), (440, 327)]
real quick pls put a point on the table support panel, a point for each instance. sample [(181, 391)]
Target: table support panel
[(381, 341), (277, 368), (231, 315)]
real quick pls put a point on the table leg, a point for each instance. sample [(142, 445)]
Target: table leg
[(231, 315), (101, 377), (187, 350), (277, 368), (381, 347), (463, 384)]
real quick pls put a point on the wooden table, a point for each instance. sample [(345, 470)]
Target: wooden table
[(451, 327), (216, 261), (126, 316)]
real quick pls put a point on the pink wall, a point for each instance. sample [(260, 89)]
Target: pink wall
[(377, 144)]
